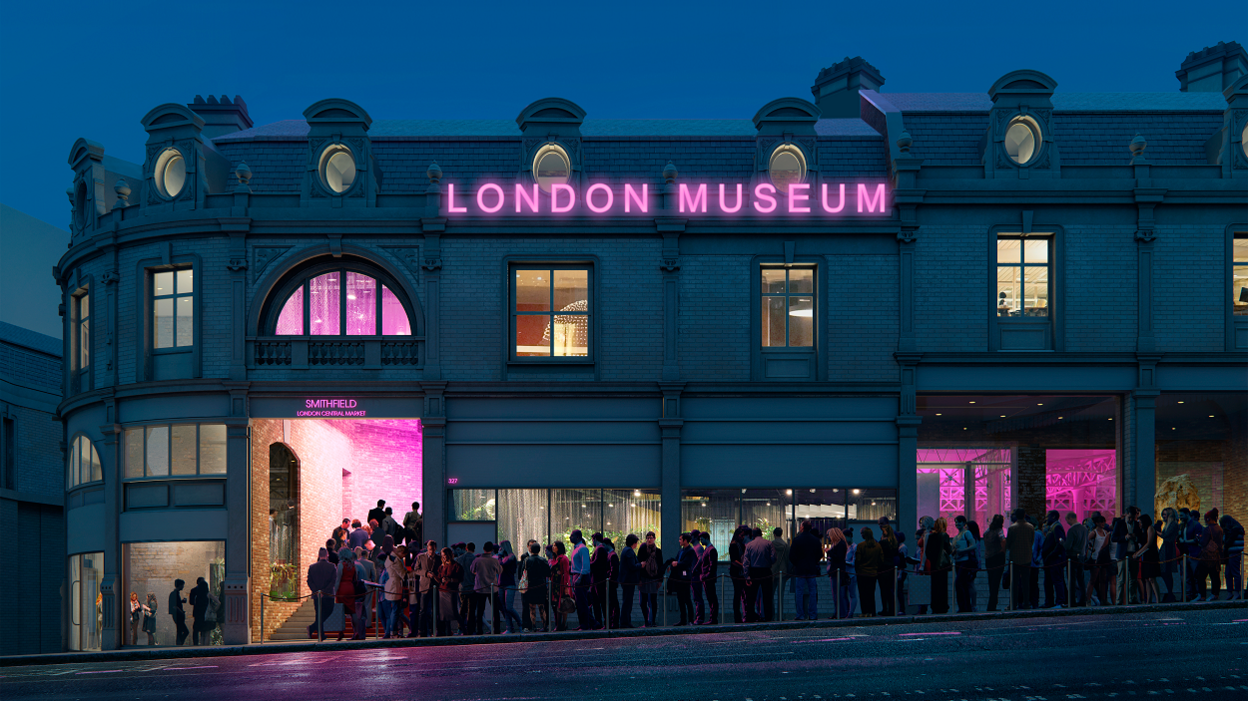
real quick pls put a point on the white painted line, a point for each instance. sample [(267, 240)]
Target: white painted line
[(206, 666), (101, 671), (954, 632)]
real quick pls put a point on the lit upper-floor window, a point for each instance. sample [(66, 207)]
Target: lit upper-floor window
[(342, 302), (1239, 274), (1022, 139), (551, 311), (170, 173), (337, 168), (84, 463), (82, 330), (173, 309), (1024, 275), (551, 166), (786, 166), (788, 307)]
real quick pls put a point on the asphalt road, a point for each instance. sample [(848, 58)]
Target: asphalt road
[(1195, 655)]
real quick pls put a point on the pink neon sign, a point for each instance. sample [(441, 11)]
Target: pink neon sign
[(699, 198)]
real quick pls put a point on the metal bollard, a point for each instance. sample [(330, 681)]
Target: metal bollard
[(1013, 586), (262, 598), (836, 596), (780, 600), (1183, 580), (721, 600), (896, 594)]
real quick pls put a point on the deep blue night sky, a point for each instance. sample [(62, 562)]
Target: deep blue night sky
[(94, 69)]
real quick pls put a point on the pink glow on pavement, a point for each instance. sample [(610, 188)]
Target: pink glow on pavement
[(690, 203), (799, 193), (557, 188), (723, 203), (630, 196), (764, 198), (824, 197), (522, 196), (450, 200), (589, 198)]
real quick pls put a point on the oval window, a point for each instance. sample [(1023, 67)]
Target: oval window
[(338, 168), (1022, 140), (551, 166), (170, 173), (787, 166)]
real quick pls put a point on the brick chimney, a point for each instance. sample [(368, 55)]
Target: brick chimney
[(836, 88), (1213, 69), (221, 116)]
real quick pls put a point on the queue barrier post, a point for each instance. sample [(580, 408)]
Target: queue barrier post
[(262, 598), (780, 600), (722, 600), (1013, 586), (1183, 580), (836, 596), (896, 594)]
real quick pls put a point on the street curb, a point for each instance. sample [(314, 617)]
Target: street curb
[(140, 653)]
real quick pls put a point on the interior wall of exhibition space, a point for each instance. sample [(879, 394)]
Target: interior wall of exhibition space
[(337, 468)]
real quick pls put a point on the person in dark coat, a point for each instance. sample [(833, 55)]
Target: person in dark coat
[(321, 575), (199, 610), (868, 563), (736, 572), (332, 548), (378, 514), (176, 600), (938, 549), (630, 577), (536, 598), (1053, 555), (804, 554), (708, 573), (650, 555), (679, 582), (600, 576)]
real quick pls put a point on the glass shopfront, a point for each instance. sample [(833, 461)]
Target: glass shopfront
[(980, 456), (547, 515), (720, 511), (86, 603), (151, 571)]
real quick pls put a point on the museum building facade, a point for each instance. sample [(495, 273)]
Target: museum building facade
[(644, 325)]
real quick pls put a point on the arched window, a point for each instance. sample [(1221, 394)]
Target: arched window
[(84, 463), (339, 299)]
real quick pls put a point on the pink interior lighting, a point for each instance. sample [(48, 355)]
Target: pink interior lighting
[(394, 321), (290, 321), (1078, 480), (361, 305), (323, 305)]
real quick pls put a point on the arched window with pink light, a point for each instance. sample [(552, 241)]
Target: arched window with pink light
[(330, 301)]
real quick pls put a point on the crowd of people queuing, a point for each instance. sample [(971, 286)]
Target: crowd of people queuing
[(386, 569)]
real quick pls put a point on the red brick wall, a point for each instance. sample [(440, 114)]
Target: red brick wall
[(385, 464)]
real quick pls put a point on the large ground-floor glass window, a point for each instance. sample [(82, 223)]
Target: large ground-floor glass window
[(547, 515), (152, 573), (980, 456), (720, 511), (86, 605)]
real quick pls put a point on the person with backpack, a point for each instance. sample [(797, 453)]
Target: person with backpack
[(651, 557), (536, 596), (1233, 555), (349, 591)]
